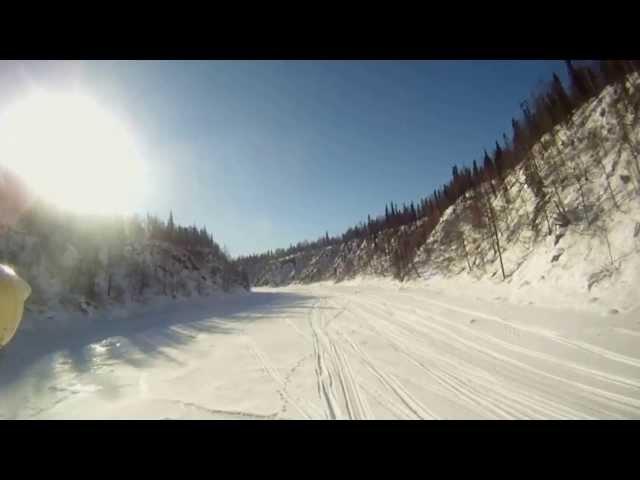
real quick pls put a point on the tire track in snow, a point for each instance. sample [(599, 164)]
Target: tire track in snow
[(357, 407), (454, 388), (323, 376), (400, 411), (487, 402), (589, 372), (600, 395), (496, 391), (494, 394), (391, 382), (325, 382), (330, 359), (385, 400), (538, 331), (626, 331), (595, 394), (450, 387), (402, 347)]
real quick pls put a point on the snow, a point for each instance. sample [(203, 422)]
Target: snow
[(591, 264), (558, 337), (362, 349)]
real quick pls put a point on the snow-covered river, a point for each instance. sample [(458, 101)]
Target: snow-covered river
[(357, 351)]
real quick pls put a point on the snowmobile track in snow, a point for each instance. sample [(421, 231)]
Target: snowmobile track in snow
[(335, 352)]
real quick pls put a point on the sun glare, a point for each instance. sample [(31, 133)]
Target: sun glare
[(72, 152)]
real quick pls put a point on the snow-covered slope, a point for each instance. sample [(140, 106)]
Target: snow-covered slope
[(574, 241), (73, 285), (584, 247)]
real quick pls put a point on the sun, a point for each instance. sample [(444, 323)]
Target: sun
[(72, 152)]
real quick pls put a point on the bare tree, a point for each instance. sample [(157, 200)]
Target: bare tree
[(494, 226), (595, 145)]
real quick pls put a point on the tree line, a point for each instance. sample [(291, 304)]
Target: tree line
[(179, 235)]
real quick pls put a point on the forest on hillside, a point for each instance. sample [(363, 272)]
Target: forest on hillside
[(550, 106), (78, 259)]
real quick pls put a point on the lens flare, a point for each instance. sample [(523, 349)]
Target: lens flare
[(72, 152)]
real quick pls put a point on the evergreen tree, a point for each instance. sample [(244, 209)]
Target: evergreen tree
[(488, 164), (497, 155), (476, 173), (579, 85), (170, 226), (560, 94)]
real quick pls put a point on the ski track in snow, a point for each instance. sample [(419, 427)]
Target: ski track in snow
[(339, 352)]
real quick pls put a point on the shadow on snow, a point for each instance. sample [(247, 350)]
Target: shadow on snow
[(138, 340)]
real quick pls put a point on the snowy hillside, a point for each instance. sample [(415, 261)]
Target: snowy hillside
[(82, 268), (578, 241), (567, 221)]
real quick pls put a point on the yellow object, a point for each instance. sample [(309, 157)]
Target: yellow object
[(14, 291)]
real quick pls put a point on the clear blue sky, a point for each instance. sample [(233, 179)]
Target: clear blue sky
[(269, 153)]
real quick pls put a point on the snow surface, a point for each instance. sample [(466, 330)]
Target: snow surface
[(362, 349)]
